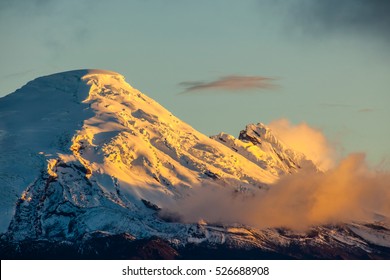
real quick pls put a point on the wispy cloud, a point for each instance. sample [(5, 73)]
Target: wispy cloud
[(366, 110), (230, 83)]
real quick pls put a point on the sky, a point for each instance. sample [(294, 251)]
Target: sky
[(220, 65)]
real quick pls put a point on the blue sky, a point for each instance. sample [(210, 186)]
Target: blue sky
[(329, 61)]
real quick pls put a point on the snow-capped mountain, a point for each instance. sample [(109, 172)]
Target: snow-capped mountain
[(87, 141), (84, 154)]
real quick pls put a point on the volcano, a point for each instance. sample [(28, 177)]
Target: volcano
[(88, 164)]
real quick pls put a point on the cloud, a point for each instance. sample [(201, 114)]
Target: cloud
[(307, 140), (348, 192), (231, 83), (366, 110), (319, 17)]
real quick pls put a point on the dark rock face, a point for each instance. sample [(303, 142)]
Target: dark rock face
[(247, 137), (115, 247)]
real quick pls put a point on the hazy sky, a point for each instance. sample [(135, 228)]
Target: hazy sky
[(220, 65)]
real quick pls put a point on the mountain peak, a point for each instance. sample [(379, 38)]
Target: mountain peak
[(255, 133), (258, 143)]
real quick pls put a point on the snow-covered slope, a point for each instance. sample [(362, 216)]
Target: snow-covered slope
[(37, 122)]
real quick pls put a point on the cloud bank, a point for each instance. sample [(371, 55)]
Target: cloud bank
[(231, 83), (348, 192)]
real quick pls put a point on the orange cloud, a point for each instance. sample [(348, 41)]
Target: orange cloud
[(348, 192), (307, 140)]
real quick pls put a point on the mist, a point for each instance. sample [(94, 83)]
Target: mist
[(305, 139), (348, 192)]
